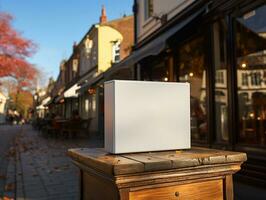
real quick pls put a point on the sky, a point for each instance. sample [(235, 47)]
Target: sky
[(54, 25)]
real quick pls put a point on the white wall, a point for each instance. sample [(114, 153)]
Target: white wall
[(169, 7), (105, 46), (2, 108)]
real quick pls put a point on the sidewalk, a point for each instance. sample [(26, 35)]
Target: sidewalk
[(7, 135), (40, 169), (43, 170)]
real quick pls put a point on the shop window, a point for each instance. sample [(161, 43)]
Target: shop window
[(155, 70), (191, 67), (92, 105), (256, 78), (159, 71), (251, 57), (148, 9), (221, 88), (75, 65), (86, 105), (220, 76), (116, 52), (74, 104), (245, 79), (88, 46), (145, 72)]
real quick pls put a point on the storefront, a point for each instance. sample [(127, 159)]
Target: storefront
[(91, 103), (70, 101), (221, 52)]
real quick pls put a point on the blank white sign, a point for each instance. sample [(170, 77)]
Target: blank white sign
[(143, 116)]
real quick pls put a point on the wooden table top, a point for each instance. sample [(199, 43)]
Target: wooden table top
[(123, 164)]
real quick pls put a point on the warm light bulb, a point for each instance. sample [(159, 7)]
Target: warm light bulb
[(251, 115), (165, 79), (244, 65), (191, 74)]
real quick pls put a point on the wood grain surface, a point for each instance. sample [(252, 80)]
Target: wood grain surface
[(208, 190), (194, 174), (153, 161)]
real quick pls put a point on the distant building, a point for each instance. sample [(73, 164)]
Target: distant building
[(105, 44), (41, 99), (3, 108), (79, 84)]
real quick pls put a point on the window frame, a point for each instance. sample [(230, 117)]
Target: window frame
[(116, 48), (148, 9)]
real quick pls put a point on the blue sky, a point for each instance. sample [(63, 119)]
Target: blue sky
[(55, 24)]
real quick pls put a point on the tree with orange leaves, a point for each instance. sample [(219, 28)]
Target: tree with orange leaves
[(14, 49), (21, 102), (14, 67)]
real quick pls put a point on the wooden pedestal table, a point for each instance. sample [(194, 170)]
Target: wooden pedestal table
[(197, 173)]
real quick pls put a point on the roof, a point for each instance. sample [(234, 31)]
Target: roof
[(117, 20), (108, 23)]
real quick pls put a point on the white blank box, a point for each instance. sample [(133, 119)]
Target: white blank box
[(143, 116)]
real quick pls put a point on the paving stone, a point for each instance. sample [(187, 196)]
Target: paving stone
[(43, 170)]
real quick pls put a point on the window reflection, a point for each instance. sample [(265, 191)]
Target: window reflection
[(160, 72), (155, 70), (191, 68), (221, 90), (251, 75)]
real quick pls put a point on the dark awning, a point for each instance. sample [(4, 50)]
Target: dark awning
[(88, 84), (59, 98), (50, 101), (155, 46)]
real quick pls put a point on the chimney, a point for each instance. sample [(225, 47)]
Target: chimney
[(103, 17), (74, 46)]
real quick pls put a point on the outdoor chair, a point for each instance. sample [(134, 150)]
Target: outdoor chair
[(75, 127)]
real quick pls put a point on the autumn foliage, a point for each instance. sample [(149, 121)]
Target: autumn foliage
[(14, 50), (22, 101)]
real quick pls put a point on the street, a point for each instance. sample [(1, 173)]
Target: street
[(7, 134), (40, 167)]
